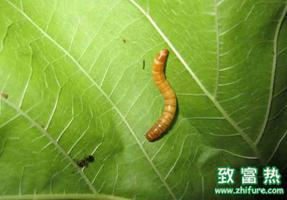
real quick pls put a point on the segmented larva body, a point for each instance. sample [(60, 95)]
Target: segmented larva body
[(165, 120)]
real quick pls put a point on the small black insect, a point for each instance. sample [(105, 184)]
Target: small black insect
[(90, 158), (82, 163), (85, 162)]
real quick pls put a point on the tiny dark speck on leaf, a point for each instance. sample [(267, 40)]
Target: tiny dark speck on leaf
[(143, 64), (124, 40), (4, 95)]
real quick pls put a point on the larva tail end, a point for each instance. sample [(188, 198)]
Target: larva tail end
[(152, 136), (149, 137)]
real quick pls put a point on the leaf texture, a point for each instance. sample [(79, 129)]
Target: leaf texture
[(73, 72)]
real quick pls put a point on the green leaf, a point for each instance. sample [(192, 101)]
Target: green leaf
[(73, 84)]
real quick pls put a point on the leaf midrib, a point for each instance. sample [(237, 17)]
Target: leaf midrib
[(103, 93)]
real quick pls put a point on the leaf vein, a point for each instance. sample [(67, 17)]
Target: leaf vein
[(104, 94)]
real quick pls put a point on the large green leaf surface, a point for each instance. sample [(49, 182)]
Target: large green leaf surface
[(78, 79)]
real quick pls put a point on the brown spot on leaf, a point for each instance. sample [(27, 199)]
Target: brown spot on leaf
[(4, 95)]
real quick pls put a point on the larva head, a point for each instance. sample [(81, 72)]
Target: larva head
[(159, 61), (162, 55)]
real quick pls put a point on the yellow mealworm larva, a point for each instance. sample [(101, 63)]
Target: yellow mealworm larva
[(165, 120)]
